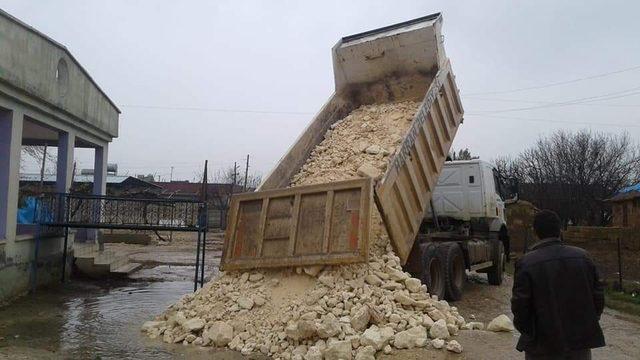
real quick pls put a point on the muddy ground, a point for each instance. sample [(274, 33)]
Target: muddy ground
[(173, 264)]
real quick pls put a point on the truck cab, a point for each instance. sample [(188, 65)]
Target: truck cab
[(469, 196)]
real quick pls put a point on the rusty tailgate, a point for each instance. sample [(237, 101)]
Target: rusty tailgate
[(299, 226)]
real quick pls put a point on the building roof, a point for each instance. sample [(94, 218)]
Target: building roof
[(630, 192), (186, 187), (111, 179)]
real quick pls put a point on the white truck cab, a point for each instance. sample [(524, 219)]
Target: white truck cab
[(469, 191)]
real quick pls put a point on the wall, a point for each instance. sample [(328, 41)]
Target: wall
[(601, 243), (16, 271), (633, 213), (29, 62), (519, 222)]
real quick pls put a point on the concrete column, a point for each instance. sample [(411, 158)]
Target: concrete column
[(11, 124), (99, 186), (100, 170), (64, 169)]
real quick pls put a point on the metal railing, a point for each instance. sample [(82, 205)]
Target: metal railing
[(63, 210), (106, 212)]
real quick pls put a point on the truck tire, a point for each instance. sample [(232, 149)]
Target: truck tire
[(432, 270), (454, 270), (496, 272)]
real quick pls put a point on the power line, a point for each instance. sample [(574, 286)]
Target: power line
[(577, 101), (556, 83), (190, 108), (558, 121), (550, 102)]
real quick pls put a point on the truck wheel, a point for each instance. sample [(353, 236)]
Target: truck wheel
[(432, 270), (454, 272), (497, 256)]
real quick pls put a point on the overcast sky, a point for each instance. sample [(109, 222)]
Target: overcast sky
[(157, 58)]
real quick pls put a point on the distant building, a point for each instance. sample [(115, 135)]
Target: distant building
[(117, 185), (626, 207)]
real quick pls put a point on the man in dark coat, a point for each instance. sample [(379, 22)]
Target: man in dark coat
[(557, 297)]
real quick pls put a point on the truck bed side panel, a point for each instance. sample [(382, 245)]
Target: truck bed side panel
[(404, 193)]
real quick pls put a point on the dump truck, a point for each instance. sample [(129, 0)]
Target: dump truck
[(329, 224)]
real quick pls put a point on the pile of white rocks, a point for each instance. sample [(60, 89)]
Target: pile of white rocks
[(341, 312), (345, 312)]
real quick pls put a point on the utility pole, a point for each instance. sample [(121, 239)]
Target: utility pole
[(246, 174), (235, 172), (171, 176)]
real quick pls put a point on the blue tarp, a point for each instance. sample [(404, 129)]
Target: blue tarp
[(26, 214), (635, 187)]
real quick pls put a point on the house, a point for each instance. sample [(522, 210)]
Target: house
[(46, 98), (117, 185), (626, 207)]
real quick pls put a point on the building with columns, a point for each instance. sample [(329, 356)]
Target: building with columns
[(46, 97)]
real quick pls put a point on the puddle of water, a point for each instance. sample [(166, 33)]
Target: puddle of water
[(93, 320)]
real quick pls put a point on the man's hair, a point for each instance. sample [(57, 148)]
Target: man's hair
[(546, 224)]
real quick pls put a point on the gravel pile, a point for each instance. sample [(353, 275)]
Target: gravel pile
[(341, 312)]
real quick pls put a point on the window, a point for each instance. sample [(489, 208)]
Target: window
[(62, 76), (471, 179)]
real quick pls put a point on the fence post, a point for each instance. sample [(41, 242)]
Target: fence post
[(620, 287)]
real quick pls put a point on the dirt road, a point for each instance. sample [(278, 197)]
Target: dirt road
[(622, 332)]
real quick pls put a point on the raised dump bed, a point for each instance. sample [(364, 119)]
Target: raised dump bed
[(405, 61)]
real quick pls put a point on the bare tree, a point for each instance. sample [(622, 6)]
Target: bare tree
[(37, 154), (226, 176), (572, 173), (462, 154)]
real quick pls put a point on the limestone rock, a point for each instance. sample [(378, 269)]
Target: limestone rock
[(303, 329), (453, 329), (314, 353), (193, 324), (148, 325), (256, 277), (245, 302), (437, 343), (220, 333), (413, 285), (327, 279), (368, 170), (439, 330), (372, 279), (473, 325), (427, 321), (313, 270), (360, 320), (374, 150), (404, 299), (329, 327), (408, 339), (259, 300), (372, 337), (338, 350), (501, 323), (366, 353), (454, 346)]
